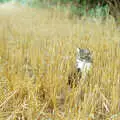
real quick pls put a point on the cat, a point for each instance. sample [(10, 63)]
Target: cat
[(83, 66)]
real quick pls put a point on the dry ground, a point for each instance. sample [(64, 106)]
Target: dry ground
[(37, 53)]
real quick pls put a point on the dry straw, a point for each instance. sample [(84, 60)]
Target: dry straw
[(37, 53)]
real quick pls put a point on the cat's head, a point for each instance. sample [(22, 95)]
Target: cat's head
[(84, 54)]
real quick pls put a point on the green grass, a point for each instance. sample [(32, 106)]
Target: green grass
[(37, 53)]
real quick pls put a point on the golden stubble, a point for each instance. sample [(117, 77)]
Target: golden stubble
[(37, 53)]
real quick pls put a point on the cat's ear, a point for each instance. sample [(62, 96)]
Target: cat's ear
[(78, 50), (91, 53)]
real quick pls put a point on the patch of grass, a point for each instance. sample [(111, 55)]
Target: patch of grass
[(37, 53)]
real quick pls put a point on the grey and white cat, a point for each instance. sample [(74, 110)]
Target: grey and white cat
[(83, 60), (83, 66)]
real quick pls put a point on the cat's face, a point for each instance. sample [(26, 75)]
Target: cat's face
[(84, 54)]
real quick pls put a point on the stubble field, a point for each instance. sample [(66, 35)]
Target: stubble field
[(38, 52)]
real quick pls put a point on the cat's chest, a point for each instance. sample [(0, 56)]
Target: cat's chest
[(83, 65)]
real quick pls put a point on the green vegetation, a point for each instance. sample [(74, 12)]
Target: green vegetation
[(91, 8), (3, 1)]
